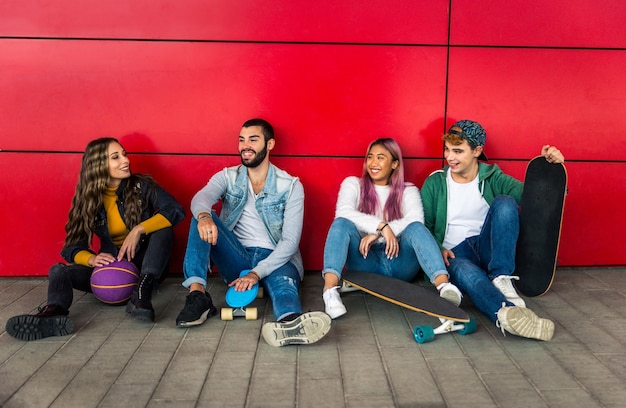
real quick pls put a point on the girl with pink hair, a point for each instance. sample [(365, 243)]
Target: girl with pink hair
[(379, 228)]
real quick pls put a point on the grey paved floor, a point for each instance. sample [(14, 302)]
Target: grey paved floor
[(369, 359)]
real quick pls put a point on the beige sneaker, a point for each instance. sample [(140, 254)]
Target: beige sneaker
[(523, 322), (304, 329)]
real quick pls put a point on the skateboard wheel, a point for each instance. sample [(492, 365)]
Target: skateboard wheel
[(251, 313), (469, 327), (423, 334), (259, 294), (227, 313)]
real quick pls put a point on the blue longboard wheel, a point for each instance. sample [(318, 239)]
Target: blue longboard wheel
[(469, 327), (423, 334)]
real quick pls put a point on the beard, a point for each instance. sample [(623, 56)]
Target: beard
[(256, 160)]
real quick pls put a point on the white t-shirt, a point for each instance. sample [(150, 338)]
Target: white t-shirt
[(250, 230), (467, 210)]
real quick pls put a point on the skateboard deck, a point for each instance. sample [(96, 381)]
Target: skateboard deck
[(541, 216), (405, 294), (239, 300)]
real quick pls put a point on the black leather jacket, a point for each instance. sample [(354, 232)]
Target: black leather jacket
[(160, 202)]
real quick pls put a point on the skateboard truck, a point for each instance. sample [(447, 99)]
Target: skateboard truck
[(238, 301), (425, 334)]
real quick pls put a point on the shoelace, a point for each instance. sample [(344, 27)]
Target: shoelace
[(498, 324), (507, 277), (334, 301)]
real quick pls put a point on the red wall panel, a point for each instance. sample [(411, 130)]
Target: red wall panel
[(36, 194), (539, 23), (529, 97), (37, 197), (593, 224), (369, 21), (38, 210), (193, 97), (175, 81)]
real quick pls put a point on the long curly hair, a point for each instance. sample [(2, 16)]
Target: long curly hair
[(92, 183), (369, 200)]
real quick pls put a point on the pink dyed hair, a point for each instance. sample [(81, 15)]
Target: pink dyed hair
[(369, 200)]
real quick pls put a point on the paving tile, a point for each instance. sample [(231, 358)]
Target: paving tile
[(570, 398), (459, 383), (411, 377), (362, 370), (320, 392), (591, 373), (228, 380), (615, 362), (16, 372), (370, 401), (321, 361), (369, 358), (273, 385), (513, 390), (537, 363), (187, 370)]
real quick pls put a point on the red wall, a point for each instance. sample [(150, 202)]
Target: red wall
[(175, 81)]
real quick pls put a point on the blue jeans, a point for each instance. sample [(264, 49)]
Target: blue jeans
[(417, 248), (230, 258), (481, 258)]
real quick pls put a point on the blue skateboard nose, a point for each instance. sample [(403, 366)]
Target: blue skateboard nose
[(241, 299)]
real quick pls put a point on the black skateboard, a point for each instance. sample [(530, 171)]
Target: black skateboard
[(541, 216)]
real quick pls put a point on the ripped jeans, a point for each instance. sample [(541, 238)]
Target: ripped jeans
[(230, 258)]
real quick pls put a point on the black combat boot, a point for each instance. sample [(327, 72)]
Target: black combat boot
[(140, 306), (51, 320)]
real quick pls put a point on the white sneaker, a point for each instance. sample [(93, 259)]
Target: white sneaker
[(333, 303), (525, 323), (505, 286), (450, 293)]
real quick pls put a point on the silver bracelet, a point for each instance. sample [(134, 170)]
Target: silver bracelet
[(204, 217)]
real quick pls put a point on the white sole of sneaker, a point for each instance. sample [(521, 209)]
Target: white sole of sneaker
[(203, 318), (525, 323), (305, 329)]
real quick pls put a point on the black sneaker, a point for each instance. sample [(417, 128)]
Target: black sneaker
[(198, 308), (297, 329), (51, 320), (140, 305)]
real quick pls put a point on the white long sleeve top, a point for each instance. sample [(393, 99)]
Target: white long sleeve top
[(348, 204)]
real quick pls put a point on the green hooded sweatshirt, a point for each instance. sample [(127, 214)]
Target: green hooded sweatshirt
[(492, 182)]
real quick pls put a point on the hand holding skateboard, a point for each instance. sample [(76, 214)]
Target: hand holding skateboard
[(239, 299)]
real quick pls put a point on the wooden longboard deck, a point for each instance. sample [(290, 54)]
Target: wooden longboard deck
[(541, 216), (405, 294)]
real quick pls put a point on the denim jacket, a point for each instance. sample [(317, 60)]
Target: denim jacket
[(160, 202), (280, 205)]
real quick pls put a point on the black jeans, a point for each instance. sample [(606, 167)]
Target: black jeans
[(151, 259)]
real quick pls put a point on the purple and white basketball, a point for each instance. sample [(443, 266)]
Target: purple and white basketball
[(114, 283)]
